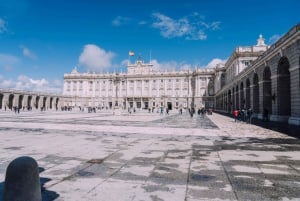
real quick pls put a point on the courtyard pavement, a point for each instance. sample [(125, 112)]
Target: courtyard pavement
[(151, 157)]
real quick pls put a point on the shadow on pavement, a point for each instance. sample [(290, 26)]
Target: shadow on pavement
[(46, 194)]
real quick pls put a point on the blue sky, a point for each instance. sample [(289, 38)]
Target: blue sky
[(42, 40)]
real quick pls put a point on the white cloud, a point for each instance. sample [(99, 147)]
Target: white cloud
[(213, 63), (119, 21), (172, 65), (274, 38), (124, 62), (3, 28), (28, 53), (191, 27), (26, 83), (96, 59)]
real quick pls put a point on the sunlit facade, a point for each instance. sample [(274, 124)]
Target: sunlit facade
[(141, 87)]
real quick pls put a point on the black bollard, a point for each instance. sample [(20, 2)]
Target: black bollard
[(22, 180)]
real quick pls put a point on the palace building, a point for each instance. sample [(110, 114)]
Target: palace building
[(261, 77), (142, 88)]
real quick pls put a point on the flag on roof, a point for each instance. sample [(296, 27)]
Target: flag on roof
[(131, 53)]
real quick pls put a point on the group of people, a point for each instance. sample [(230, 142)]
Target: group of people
[(243, 115), (200, 112)]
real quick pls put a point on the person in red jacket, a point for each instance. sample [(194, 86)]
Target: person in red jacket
[(235, 114)]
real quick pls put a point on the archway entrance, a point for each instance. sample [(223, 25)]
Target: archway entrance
[(255, 102), (229, 102), (37, 100), (169, 105), (29, 102), (20, 105), (248, 98), (44, 103), (51, 102), (1, 100), (267, 90), (10, 101), (283, 88)]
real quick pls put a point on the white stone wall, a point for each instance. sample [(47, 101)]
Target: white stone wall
[(140, 83)]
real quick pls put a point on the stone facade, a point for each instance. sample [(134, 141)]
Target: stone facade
[(270, 84), (10, 98), (141, 88)]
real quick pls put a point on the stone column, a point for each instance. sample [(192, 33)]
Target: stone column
[(47, 103), (25, 101), (251, 96), (261, 99), (295, 95), (40, 103), (16, 100), (5, 100)]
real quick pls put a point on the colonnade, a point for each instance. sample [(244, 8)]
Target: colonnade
[(271, 85)]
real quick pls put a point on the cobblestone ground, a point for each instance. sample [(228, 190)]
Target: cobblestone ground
[(147, 156)]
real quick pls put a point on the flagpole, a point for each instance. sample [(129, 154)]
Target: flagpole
[(129, 58)]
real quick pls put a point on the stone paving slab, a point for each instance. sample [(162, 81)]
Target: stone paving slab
[(147, 156)]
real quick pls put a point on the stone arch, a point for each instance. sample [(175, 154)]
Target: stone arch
[(20, 105), (51, 102), (283, 88), (242, 97), (248, 98), (267, 90), (44, 102), (10, 101), (1, 101), (56, 103), (255, 102), (36, 104), (229, 101), (29, 104)]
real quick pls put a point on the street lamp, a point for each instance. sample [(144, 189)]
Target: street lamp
[(116, 80)]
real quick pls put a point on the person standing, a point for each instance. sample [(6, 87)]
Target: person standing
[(235, 114)]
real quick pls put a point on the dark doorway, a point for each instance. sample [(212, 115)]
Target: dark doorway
[(10, 101), (267, 91), (169, 104), (146, 105), (1, 100), (248, 98), (283, 88)]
